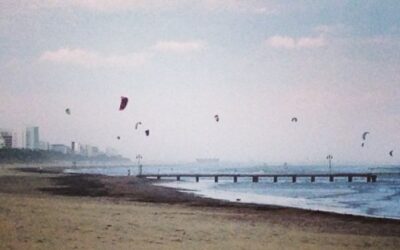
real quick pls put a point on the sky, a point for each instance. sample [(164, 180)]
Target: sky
[(335, 65)]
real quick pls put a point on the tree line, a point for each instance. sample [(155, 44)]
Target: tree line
[(15, 155)]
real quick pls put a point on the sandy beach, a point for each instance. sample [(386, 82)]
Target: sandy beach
[(51, 210)]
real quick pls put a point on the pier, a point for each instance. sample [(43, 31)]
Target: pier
[(274, 177)]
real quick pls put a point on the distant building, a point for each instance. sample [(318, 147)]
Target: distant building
[(7, 139), (44, 145), (111, 152), (95, 151), (32, 138), (74, 147), (60, 148), (88, 150), (207, 160), (82, 150), (15, 143), (22, 139)]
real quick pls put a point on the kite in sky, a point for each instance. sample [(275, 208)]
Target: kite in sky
[(137, 125), (364, 135), (124, 102)]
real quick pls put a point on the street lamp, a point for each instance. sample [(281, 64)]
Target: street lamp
[(329, 158), (139, 157)]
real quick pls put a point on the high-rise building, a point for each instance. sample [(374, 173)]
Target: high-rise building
[(23, 139), (15, 140), (2, 142), (75, 148), (7, 139), (32, 138)]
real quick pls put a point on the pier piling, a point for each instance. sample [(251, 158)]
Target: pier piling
[(256, 177)]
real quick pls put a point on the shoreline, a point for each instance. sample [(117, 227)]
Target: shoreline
[(197, 193), (190, 195), (200, 194), (149, 187), (47, 209)]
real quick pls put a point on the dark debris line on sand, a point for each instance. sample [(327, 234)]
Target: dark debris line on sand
[(77, 185), (129, 188)]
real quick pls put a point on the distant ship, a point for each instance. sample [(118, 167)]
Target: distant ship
[(207, 160)]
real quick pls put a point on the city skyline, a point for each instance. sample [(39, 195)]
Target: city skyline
[(30, 139)]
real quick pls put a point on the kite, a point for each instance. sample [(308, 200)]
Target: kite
[(68, 111), (124, 102), (391, 153), (147, 132), (294, 119), (364, 135), (137, 125), (216, 118)]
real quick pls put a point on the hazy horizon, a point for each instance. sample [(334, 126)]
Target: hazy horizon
[(332, 64)]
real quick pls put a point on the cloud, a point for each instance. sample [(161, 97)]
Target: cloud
[(179, 47), (90, 59), (286, 42)]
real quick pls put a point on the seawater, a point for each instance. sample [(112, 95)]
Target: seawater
[(379, 199)]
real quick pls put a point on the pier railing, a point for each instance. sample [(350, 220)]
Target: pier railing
[(256, 177)]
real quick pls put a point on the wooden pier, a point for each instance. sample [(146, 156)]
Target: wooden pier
[(273, 177)]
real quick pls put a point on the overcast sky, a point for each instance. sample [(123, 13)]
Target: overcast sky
[(333, 64)]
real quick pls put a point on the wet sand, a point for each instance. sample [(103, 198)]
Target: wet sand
[(46, 209)]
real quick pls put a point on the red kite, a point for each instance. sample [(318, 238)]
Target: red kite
[(124, 102)]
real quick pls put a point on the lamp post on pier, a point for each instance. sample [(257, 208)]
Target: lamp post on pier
[(139, 157), (329, 158)]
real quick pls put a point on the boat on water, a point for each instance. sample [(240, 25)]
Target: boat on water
[(207, 160)]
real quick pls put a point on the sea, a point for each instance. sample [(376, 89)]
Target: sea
[(374, 199)]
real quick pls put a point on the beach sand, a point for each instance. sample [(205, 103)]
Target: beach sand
[(51, 210)]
